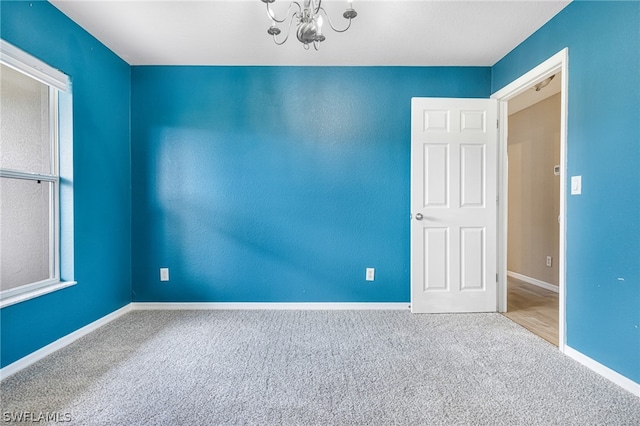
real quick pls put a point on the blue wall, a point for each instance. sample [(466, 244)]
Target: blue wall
[(102, 179), (277, 184), (603, 145)]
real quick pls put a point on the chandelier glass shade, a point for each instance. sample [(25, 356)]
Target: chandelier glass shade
[(309, 18)]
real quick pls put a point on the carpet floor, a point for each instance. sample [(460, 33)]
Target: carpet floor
[(313, 368)]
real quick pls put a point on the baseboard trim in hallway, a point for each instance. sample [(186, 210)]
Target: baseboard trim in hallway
[(533, 281)]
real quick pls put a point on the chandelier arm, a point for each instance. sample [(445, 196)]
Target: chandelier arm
[(331, 23), (286, 37), (271, 15), (282, 42)]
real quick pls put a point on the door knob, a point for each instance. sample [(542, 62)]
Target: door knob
[(419, 216)]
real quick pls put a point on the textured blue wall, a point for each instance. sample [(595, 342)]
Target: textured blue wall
[(603, 145), (102, 194), (277, 184)]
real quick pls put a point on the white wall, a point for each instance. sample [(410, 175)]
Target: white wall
[(534, 190)]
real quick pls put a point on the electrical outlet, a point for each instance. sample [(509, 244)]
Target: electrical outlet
[(549, 261), (370, 275), (164, 274)]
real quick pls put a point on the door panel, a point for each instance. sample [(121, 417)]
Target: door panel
[(453, 193), (436, 246), (436, 176), (472, 163), (472, 254)]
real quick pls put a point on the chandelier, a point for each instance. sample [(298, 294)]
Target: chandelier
[(308, 20)]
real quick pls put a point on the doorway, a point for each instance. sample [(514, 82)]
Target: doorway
[(533, 150), (526, 283)]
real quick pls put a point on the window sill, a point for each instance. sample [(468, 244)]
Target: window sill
[(12, 299)]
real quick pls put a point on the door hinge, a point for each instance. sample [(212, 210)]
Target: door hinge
[(497, 124), (496, 277)]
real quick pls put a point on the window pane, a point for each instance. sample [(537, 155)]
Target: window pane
[(24, 229), (24, 129)]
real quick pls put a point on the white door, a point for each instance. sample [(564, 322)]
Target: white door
[(453, 205)]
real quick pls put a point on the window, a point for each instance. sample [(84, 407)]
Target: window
[(29, 176)]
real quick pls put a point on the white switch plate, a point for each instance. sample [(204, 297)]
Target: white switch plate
[(576, 185), (371, 274), (164, 274)]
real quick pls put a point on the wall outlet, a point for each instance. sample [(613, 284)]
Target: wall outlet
[(549, 259), (164, 274), (371, 274)]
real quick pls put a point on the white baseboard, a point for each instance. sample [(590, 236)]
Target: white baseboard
[(307, 306), (60, 343), (533, 281), (604, 371)]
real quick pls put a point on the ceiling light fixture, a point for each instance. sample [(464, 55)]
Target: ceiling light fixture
[(544, 83), (308, 20)]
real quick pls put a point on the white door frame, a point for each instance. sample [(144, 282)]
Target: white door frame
[(558, 62)]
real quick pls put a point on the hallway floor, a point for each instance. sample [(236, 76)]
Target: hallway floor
[(534, 308)]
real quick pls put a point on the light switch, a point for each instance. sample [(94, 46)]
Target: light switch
[(576, 185)]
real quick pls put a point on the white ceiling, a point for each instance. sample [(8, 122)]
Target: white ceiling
[(391, 32)]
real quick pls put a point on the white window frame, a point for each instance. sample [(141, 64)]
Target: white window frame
[(57, 82)]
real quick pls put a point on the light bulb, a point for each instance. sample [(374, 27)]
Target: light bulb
[(319, 21)]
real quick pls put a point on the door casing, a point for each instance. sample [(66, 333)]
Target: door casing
[(556, 63)]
